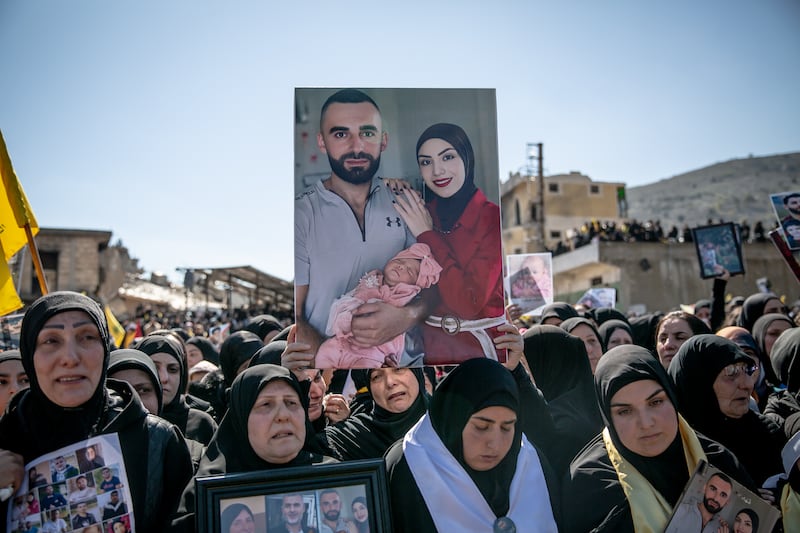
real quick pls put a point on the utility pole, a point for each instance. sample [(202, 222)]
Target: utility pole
[(540, 210), (539, 219)]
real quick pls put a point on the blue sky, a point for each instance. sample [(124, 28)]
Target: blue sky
[(170, 123)]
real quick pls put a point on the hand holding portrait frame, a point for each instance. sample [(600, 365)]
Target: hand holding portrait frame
[(264, 493), (718, 247)]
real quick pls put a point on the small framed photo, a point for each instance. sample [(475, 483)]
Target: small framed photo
[(718, 246), (530, 281), (336, 496), (787, 211)]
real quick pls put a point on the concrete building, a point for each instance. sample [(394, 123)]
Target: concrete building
[(570, 200), (84, 261), (648, 276), (654, 276)]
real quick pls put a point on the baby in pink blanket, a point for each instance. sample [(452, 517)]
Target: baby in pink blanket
[(407, 273)]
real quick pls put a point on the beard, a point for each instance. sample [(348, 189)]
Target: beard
[(712, 506), (357, 175), (332, 515)]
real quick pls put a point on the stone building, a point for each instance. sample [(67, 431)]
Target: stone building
[(570, 200), (84, 261), (648, 276)]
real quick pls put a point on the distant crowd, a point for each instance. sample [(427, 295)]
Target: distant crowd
[(646, 231)]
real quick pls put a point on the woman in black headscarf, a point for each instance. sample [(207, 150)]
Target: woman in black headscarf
[(786, 365), (585, 330), (237, 518), (462, 228), (467, 465), (602, 315), (399, 402), (673, 330), (746, 521), (266, 327), (747, 343), (643, 329), (264, 400), (360, 514), (145, 376), (206, 347), (714, 379), (757, 305), (631, 476), (235, 353), (615, 333), (170, 361), (12, 377), (561, 370), (557, 312), (64, 344), (766, 331)]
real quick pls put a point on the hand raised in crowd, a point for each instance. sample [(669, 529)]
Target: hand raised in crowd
[(309, 336), (512, 342), (12, 470), (722, 272), (297, 356), (336, 407)]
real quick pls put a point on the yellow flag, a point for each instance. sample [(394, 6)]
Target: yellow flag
[(15, 211), (9, 299), (114, 327)]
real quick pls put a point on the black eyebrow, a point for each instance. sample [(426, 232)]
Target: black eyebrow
[(74, 325), (656, 393), (368, 127), (440, 153)]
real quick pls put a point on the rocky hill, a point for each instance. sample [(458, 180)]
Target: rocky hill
[(734, 190)]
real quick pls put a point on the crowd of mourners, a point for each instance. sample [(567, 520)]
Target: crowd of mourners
[(594, 423), (646, 231)]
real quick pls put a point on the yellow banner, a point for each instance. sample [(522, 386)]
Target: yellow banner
[(114, 327), (9, 299), (15, 211)]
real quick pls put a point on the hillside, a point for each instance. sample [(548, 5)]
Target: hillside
[(734, 190)]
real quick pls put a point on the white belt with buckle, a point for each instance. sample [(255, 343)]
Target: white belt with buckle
[(452, 325)]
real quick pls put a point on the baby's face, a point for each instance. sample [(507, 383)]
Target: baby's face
[(404, 270)]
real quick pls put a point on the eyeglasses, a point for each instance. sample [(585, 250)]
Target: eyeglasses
[(504, 525), (733, 370)]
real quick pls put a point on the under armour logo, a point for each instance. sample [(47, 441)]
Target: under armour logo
[(389, 221)]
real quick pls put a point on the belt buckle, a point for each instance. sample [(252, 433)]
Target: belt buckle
[(451, 324)]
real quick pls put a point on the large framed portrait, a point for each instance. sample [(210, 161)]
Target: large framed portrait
[(343, 495), (385, 176), (718, 246)]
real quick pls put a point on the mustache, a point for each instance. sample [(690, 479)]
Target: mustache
[(353, 155)]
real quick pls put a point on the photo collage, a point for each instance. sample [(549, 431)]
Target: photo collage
[(79, 489)]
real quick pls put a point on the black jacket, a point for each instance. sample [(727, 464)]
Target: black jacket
[(156, 458)]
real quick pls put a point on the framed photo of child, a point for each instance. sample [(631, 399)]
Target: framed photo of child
[(530, 281), (718, 247)]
